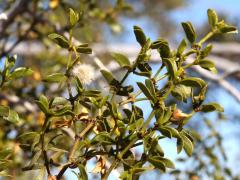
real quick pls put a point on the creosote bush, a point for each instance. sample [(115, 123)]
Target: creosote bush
[(91, 123)]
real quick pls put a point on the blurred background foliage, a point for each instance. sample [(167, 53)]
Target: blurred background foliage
[(107, 21)]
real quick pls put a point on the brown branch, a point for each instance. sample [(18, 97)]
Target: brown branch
[(18, 7)]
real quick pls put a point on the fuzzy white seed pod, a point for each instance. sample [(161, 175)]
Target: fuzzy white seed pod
[(85, 73), (3, 16)]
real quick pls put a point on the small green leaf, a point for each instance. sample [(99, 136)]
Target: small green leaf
[(206, 64), (140, 36), (164, 49), (43, 104), (60, 40), (56, 77), (171, 67), (212, 107), (188, 145), (165, 131), (180, 144), (205, 52), (108, 76), (146, 91), (193, 82), (212, 17), (182, 46), (73, 17), (83, 173), (189, 31), (157, 163), (103, 138), (151, 88), (13, 117), (84, 50), (121, 59), (225, 28), (20, 72)]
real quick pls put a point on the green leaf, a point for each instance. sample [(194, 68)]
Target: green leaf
[(108, 76), (60, 40), (83, 173), (157, 163), (146, 91), (206, 63), (225, 28), (43, 104), (167, 162), (188, 145), (180, 144), (84, 50), (182, 46), (171, 67), (193, 82), (165, 131), (205, 52), (92, 93), (56, 77), (73, 17), (212, 107), (28, 136), (189, 31), (13, 117), (151, 88), (20, 72), (212, 17), (181, 92), (167, 113), (121, 59), (4, 111), (140, 36), (164, 49), (103, 138)]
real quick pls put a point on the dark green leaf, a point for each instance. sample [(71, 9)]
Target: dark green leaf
[(83, 173), (146, 91), (212, 17), (189, 31), (73, 17), (122, 60), (180, 144), (164, 49), (206, 63), (13, 117), (225, 28), (84, 50), (193, 82), (182, 46), (151, 88), (20, 72), (103, 138), (212, 107), (171, 67), (56, 77), (205, 52), (140, 36), (108, 76), (188, 145), (60, 40), (157, 163)]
